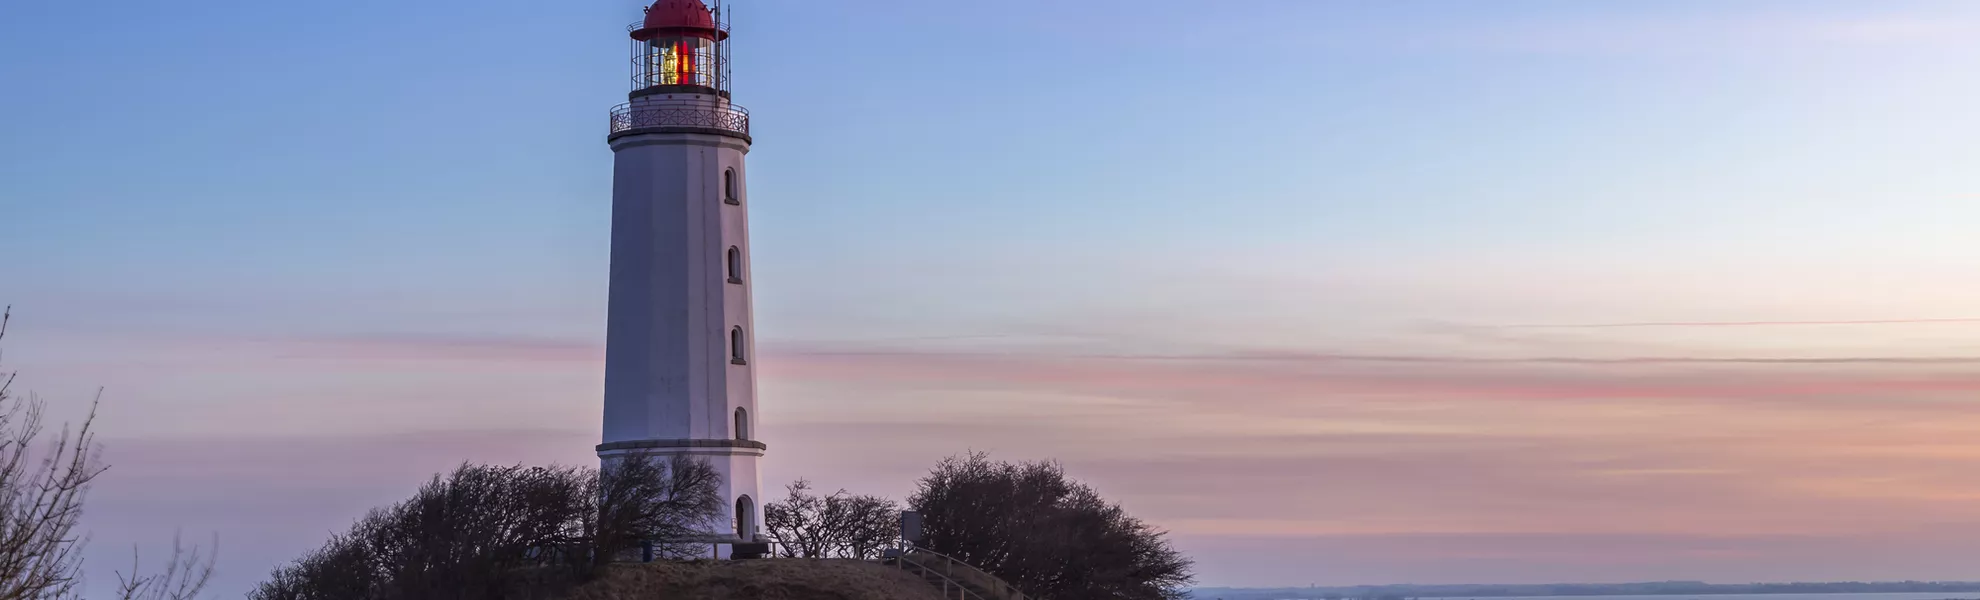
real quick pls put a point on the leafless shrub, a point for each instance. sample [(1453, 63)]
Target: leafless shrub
[(344, 568), (642, 499), (1043, 532), (840, 525), (504, 532)]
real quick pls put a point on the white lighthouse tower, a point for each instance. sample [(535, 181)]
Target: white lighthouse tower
[(680, 372)]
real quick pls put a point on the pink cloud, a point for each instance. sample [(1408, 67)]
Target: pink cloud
[(1304, 451), (446, 348), (1420, 376)]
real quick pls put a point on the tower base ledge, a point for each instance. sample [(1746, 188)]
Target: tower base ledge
[(696, 447)]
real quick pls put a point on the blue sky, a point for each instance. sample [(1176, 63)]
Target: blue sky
[(311, 231)]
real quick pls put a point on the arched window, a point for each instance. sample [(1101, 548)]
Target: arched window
[(745, 519), (735, 265), (729, 187), (742, 423), (737, 353)]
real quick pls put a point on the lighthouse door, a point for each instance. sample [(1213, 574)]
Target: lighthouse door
[(745, 519)]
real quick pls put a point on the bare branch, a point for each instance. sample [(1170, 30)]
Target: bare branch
[(185, 576)]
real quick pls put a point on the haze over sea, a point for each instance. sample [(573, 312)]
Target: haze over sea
[(1244, 594)]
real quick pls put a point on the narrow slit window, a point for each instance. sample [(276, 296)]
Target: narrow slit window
[(742, 424), (729, 187), (737, 353), (735, 265)]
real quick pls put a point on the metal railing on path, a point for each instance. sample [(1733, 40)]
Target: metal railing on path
[(955, 570), (958, 579)]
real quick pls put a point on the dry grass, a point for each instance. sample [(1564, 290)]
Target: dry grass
[(775, 579)]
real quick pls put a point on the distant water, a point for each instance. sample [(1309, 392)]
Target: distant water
[(1868, 596)]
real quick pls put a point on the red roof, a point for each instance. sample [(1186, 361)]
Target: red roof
[(679, 14)]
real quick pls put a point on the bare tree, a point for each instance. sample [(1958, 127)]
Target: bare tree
[(1049, 535), (473, 533), (840, 525), (867, 524), (42, 489), (505, 532), (41, 497), (798, 522), (641, 499), (477, 532)]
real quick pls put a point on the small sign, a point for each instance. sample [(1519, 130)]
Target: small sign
[(911, 526)]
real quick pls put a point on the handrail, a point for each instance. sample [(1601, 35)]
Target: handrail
[(962, 591), (795, 548), (641, 24), (1001, 587)]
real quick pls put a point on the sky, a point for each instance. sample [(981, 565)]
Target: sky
[(1335, 292)]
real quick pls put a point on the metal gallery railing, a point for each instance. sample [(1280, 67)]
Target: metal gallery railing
[(680, 113), (721, 25)]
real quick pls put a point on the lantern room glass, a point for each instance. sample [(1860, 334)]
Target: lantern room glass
[(677, 60)]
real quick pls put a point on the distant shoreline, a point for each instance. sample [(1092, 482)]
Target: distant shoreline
[(1661, 595), (1674, 594), (1866, 591), (1726, 593), (1301, 594)]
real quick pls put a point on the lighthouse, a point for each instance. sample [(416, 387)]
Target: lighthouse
[(680, 357)]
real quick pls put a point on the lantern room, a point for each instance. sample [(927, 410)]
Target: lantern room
[(681, 47)]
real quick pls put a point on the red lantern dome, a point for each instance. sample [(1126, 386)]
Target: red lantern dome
[(678, 17)]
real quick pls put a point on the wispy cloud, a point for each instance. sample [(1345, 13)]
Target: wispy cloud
[(1542, 453), (443, 347), (1280, 382), (1320, 358), (1592, 30), (1740, 323), (1718, 31), (1480, 376), (1893, 28)]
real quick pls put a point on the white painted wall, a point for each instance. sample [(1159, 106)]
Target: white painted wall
[(668, 374)]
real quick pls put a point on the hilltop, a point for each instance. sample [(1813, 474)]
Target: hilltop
[(779, 579)]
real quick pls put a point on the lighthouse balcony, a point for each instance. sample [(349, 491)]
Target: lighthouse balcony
[(680, 116)]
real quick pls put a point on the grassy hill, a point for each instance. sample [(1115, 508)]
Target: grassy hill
[(780, 579)]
